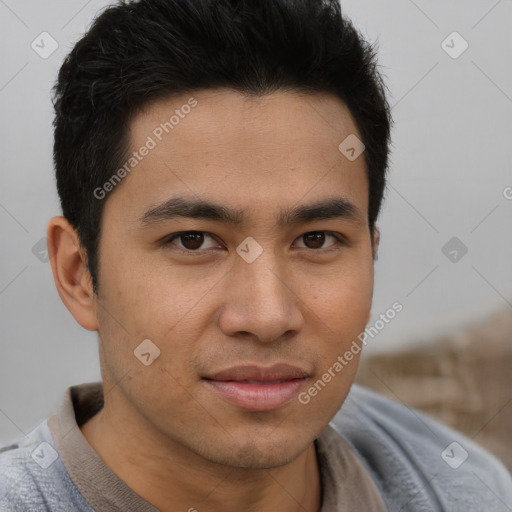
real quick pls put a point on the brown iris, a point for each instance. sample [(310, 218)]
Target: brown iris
[(192, 240), (317, 238)]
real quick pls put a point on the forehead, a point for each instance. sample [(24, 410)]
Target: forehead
[(245, 151), (220, 116)]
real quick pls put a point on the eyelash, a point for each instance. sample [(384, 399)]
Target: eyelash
[(342, 241)]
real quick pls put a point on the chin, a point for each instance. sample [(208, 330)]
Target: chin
[(254, 458), (258, 453)]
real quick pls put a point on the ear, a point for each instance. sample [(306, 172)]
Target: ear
[(375, 242), (72, 278)]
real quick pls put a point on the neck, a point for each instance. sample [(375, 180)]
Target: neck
[(171, 477)]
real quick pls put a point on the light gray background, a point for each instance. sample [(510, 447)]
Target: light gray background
[(450, 166)]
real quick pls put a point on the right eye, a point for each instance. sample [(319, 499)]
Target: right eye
[(189, 241)]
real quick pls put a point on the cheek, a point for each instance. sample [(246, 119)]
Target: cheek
[(170, 302), (342, 308), (165, 307), (343, 302), (343, 312), (148, 298)]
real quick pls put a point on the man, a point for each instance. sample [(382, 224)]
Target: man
[(221, 166)]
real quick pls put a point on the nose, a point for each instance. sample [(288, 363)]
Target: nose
[(260, 302)]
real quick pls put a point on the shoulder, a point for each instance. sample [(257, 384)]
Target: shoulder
[(419, 463), (32, 476)]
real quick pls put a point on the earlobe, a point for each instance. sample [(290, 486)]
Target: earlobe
[(70, 273)]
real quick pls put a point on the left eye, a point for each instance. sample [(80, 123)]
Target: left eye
[(316, 239)]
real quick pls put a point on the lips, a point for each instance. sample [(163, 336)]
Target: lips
[(275, 373), (257, 388)]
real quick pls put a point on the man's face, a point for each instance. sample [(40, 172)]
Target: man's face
[(221, 313)]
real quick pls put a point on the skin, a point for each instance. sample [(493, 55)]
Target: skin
[(182, 445)]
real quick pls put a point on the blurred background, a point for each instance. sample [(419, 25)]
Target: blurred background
[(446, 237)]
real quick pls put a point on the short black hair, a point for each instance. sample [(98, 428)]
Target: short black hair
[(137, 52)]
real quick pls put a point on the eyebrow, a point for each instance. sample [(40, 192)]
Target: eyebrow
[(334, 208)]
